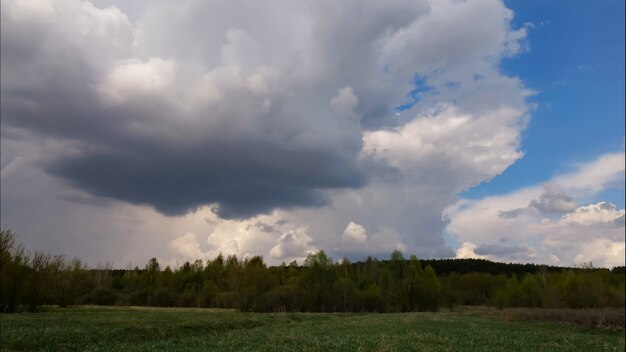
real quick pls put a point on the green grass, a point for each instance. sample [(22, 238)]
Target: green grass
[(160, 329)]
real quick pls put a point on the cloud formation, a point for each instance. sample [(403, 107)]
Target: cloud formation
[(354, 233), (293, 245), (289, 115), (552, 201), (238, 121), (544, 223)]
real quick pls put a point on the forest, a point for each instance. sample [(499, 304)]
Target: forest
[(30, 281)]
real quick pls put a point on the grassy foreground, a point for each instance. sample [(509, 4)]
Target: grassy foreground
[(162, 329)]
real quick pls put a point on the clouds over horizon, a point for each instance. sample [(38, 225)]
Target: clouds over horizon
[(548, 223), (273, 128)]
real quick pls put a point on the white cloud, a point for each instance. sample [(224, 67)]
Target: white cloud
[(467, 250), (594, 176), (445, 140), (466, 33), (602, 212), (293, 245), (253, 236), (547, 220), (354, 233), (188, 247), (133, 77), (555, 260), (602, 252), (497, 252)]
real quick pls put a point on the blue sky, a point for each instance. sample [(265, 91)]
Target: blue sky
[(575, 63)]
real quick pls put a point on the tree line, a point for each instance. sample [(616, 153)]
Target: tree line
[(29, 281)]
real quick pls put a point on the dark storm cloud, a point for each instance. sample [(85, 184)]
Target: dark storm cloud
[(252, 106), (137, 143), (243, 180)]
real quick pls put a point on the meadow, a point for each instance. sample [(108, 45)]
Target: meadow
[(91, 328)]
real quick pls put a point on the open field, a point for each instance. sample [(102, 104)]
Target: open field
[(160, 329)]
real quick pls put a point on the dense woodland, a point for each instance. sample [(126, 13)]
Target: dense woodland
[(32, 280)]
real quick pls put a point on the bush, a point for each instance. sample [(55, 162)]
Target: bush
[(164, 297), (611, 318), (102, 296), (369, 300)]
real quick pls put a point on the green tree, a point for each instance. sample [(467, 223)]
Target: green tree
[(39, 281), (317, 281), (151, 277), (13, 271), (410, 284), (256, 281), (429, 290)]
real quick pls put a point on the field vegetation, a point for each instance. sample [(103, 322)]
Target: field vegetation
[(97, 328)]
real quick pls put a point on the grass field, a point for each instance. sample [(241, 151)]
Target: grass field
[(161, 329)]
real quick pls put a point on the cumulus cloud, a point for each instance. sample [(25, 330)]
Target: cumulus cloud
[(293, 245), (468, 250), (252, 236), (444, 140), (497, 252), (236, 121), (280, 113), (601, 212), (134, 77), (544, 224), (552, 201), (188, 247), (602, 251), (354, 233)]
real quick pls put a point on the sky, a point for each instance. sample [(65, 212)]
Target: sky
[(444, 129)]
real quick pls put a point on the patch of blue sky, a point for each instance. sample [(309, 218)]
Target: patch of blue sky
[(415, 95), (576, 65), (614, 195)]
